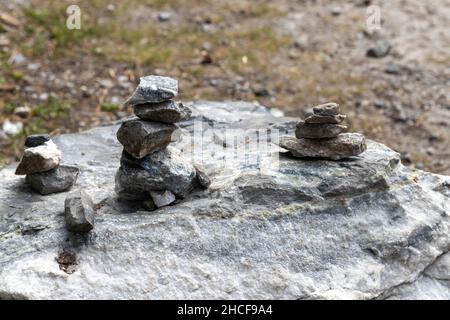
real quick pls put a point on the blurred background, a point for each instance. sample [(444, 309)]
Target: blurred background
[(393, 82)]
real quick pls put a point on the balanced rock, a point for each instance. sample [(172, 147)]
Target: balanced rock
[(318, 130), (167, 111), (202, 177), (56, 180), (343, 146), (79, 212), (39, 159), (327, 109), (36, 140), (161, 170), (316, 118), (140, 138), (162, 198), (153, 89)]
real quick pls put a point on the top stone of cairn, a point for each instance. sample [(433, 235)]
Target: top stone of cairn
[(153, 89), (327, 109)]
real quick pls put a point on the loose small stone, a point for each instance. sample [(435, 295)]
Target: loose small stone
[(327, 109), (39, 159), (318, 130), (343, 146), (36, 140), (140, 138), (316, 118), (202, 177), (380, 49), (153, 89), (167, 112), (162, 198), (56, 180), (79, 211)]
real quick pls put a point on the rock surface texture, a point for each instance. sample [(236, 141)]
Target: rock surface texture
[(359, 228)]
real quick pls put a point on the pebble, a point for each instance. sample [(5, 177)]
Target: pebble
[(167, 112), (79, 212), (39, 159), (36, 140), (164, 16), (56, 180), (327, 109), (153, 89), (318, 130), (162, 198), (380, 49), (316, 118), (202, 177), (22, 112), (140, 138), (12, 128)]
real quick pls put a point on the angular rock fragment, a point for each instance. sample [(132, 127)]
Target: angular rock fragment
[(316, 118), (168, 111), (202, 176), (36, 140), (318, 130), (79, 212), (161, 170), (343, 146), (153, 89), (140, 138), (56, 180), (327, 109), (380, 49), (162, 198), (39, 159)]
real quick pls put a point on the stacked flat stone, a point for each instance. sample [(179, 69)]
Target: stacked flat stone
[(150, 170), (322, 135), (41, 165)]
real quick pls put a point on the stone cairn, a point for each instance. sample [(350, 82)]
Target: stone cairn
[(321, 136), (150, 170), (41, 165)]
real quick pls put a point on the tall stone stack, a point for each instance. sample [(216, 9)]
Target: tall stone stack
[(150, 170), (322, 135), (41, 165)]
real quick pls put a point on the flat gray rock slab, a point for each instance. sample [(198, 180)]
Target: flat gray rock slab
[(361, 228)]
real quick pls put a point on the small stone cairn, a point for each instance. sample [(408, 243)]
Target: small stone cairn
[(150, 170), (321, 136), (41, 165)]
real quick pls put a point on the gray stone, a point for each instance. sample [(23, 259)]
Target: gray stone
[(164, 16), (140, 138), (202, 177), (167, 112), (59, 179), (36, 140), (380, 49), (315, 118), (318, 130), (162, 198), (79, 212), (161, 170), (153, 89), (360, 228), (327, 109), (343, 146), (39, 159)]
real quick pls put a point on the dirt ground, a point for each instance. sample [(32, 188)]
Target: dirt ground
[(285, 54)]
